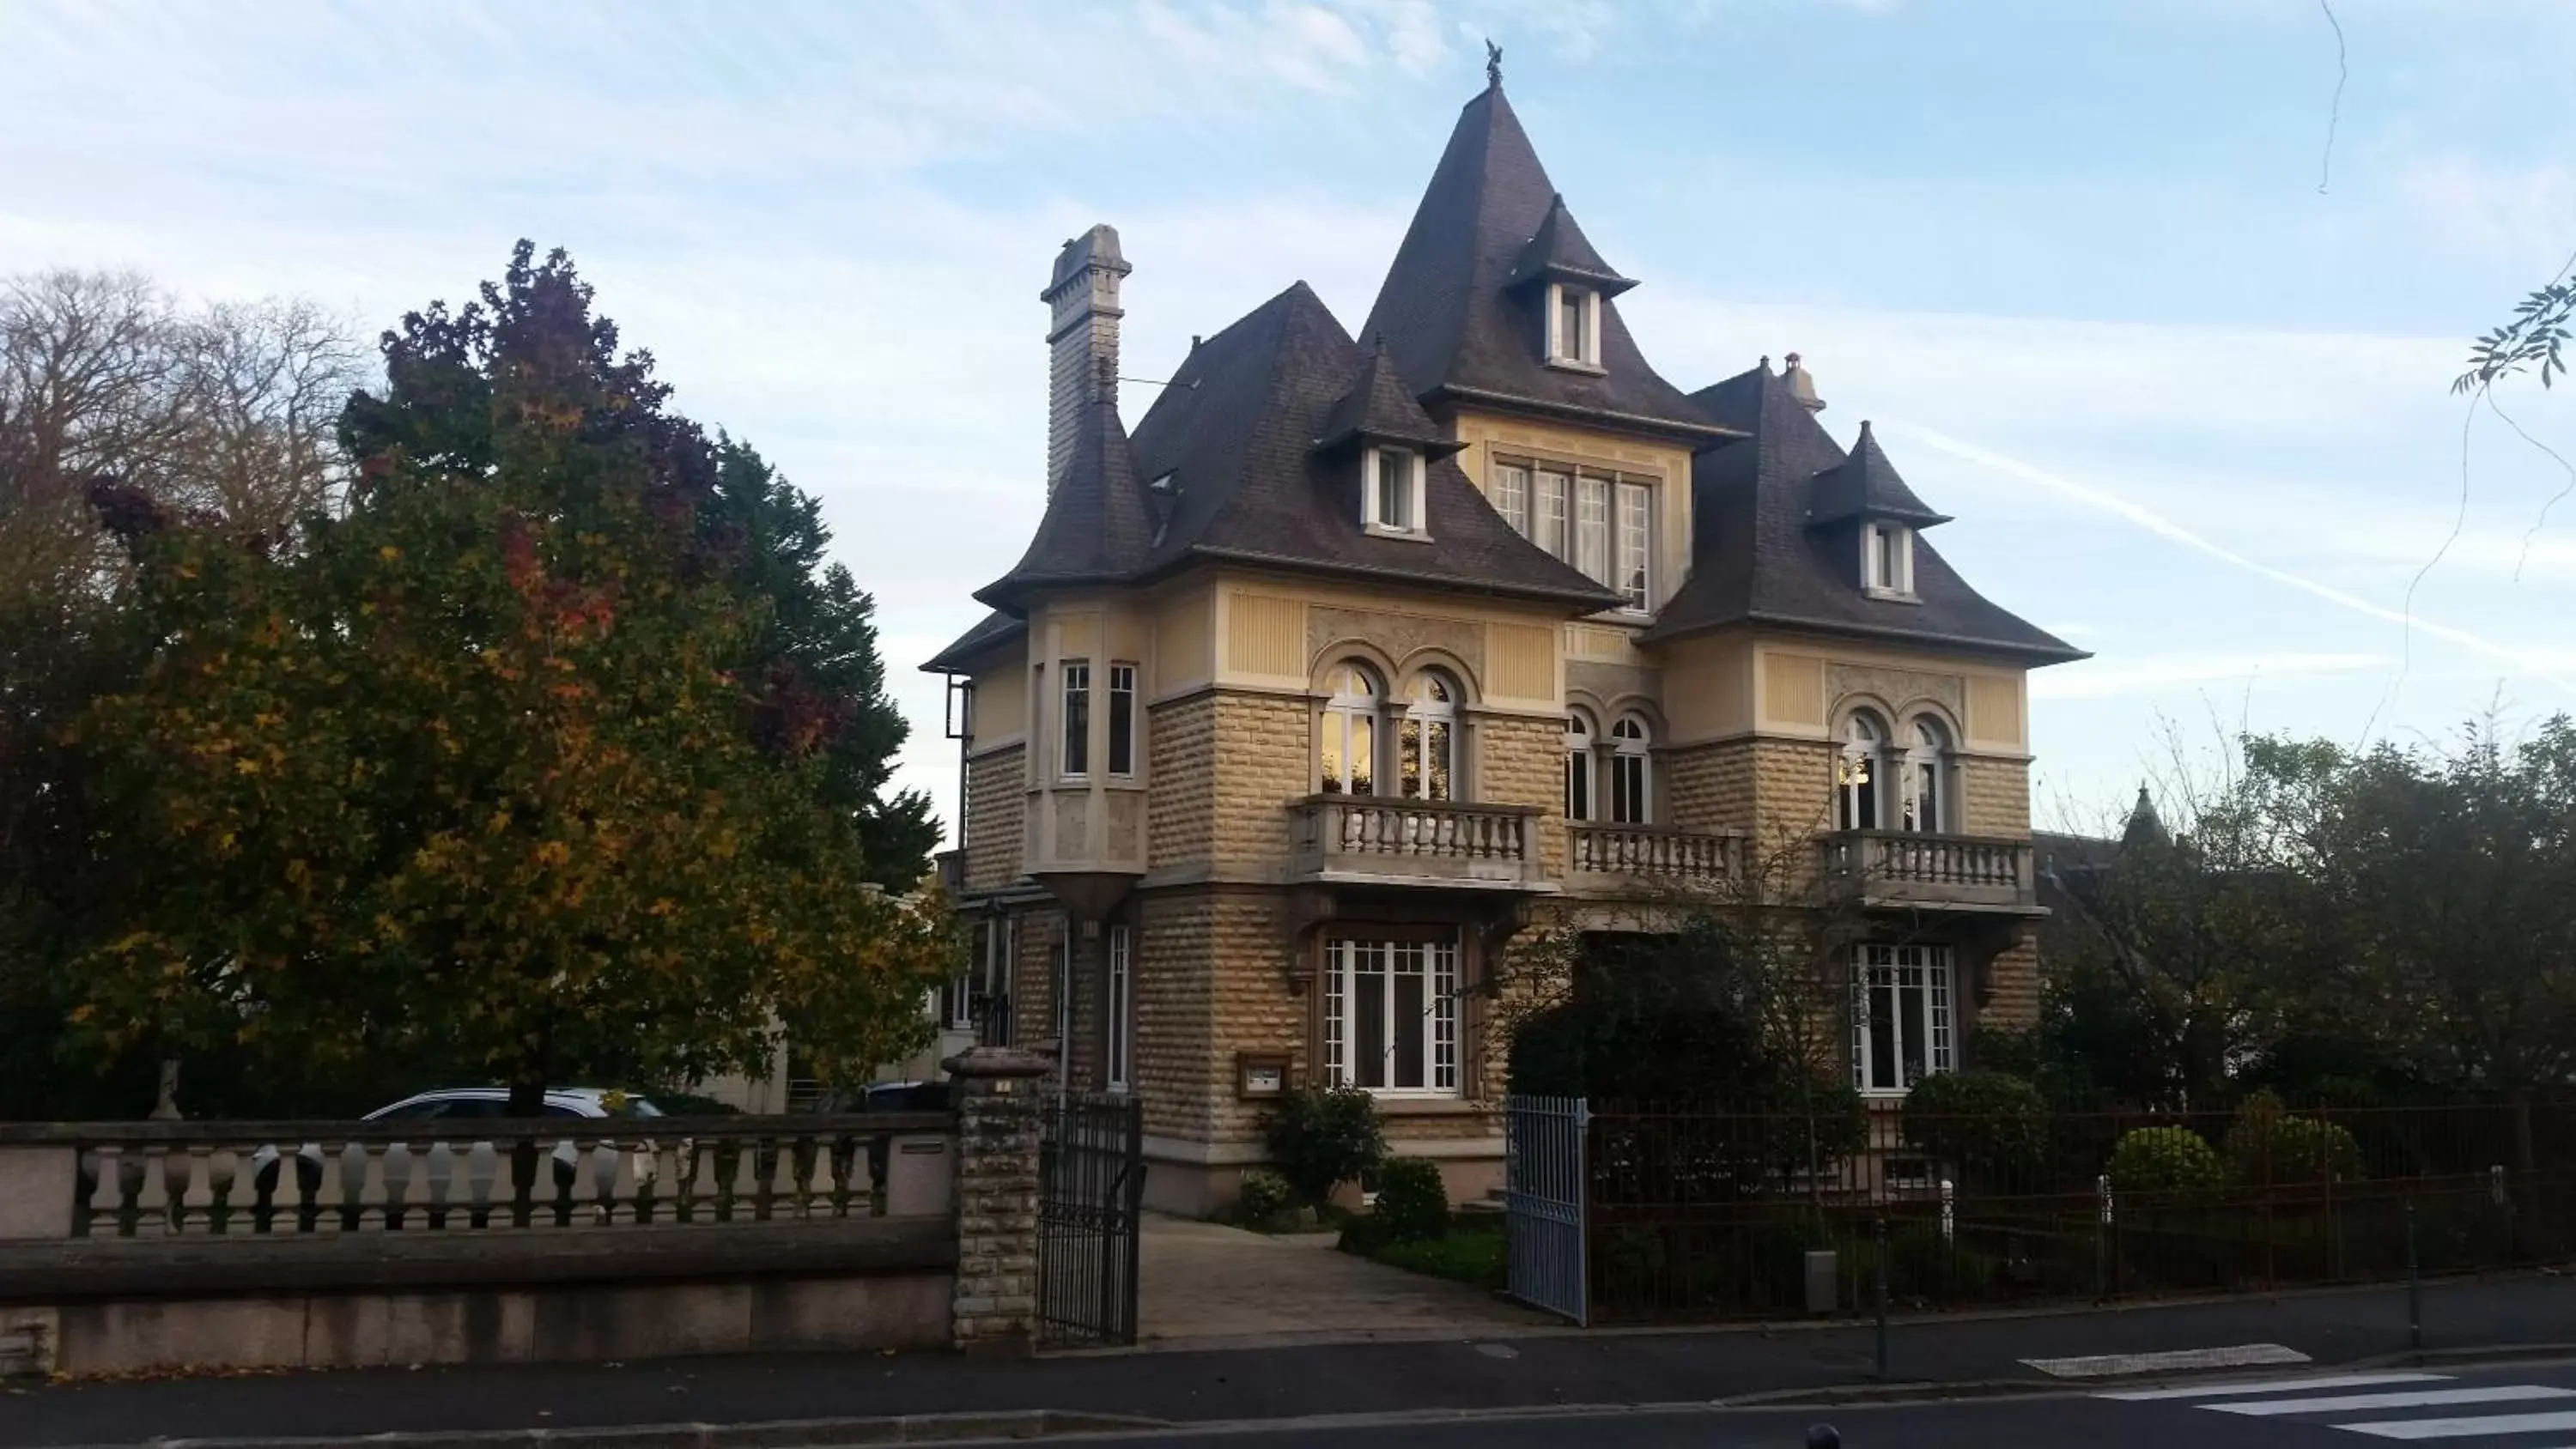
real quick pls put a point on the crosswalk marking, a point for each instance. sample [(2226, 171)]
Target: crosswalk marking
[(2420, 1399), (2114, 1365), (2274, 1386), (2464, 1427)]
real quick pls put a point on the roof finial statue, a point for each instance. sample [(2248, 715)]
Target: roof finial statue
[(1493, 64)]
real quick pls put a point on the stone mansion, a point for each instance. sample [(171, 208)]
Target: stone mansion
[(1356, 658)]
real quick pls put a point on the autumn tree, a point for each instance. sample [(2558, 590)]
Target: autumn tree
[(506, 765), (225, 415)]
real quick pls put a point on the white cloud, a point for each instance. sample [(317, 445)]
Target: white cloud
[(2105, 679)]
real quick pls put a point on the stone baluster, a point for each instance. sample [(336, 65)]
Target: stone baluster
[(377, 1164)]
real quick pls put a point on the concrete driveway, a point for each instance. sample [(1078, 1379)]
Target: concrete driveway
[(1206, 1286)]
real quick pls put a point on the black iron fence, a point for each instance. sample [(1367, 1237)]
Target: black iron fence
[(1691, 1213), (1091, 1188)]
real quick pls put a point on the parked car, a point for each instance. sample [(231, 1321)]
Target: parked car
[(886, 1097), (482, 1163)]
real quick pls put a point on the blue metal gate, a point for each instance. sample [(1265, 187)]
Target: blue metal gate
[(1544, 1182)]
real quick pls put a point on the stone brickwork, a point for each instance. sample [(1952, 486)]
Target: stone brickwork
[(1033, 937), (2012, 990), (1997, 794), (1181, 754), (998, 1097), (1793, 790), (996, 807), (1710, 787), (1265, 757), (1521, 761), (1211, 981)]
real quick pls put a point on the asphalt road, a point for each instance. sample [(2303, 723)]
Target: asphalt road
[(2520, 1407)]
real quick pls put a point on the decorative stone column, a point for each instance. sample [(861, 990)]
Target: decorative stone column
[(1000, 1092)]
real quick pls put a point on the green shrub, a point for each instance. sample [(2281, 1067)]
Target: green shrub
[(1921, 1265), (1264, 1196), (1989, 1127), (1322, 1137), (2266, 1144), (1411, 1203), (2164, 1160)]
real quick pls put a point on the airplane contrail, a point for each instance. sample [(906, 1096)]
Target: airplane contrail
[(2157, 523)]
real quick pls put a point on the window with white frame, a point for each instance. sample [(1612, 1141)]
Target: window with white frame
[(1924, 804), (1427, 738), (1122, 719), (1578, 767), (1346, 740), (1857, 771), (979, 998), (1121, 1045), (1887, 558), (1574, 325), (1602, 524), (1512, 495), (1392, 501), (1631, 545), (1901, 1027), (1060, 964), (1592, 527), (1549, 516), (1391, 1016), (1076, 759), (1631, 772)]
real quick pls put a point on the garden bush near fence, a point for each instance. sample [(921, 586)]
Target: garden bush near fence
[(1695, 1214)]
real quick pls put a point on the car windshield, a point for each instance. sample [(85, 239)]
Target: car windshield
[(620, 1104)]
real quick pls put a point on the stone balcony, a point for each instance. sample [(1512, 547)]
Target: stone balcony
[(1895, 868), (1369, 839), (1622, 859)]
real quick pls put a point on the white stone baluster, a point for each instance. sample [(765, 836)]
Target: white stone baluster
[(746, 1181), (192, 1201), (107, 1193), (374, 1189)]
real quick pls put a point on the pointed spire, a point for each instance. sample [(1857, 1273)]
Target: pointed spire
[(1493, 65), (1866, 485), (2145, 825), (1099, 524)]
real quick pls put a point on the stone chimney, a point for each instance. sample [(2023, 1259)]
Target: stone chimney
[(1801, 386), (1082, 336)]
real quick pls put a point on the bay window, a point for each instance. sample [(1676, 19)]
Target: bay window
[(1122, 719), (1391, 1016), (1602, 524), (1901, 1029), (1076, 759)]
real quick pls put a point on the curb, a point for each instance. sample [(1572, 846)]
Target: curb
[(768, 1434)]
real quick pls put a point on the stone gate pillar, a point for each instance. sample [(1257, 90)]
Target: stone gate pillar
[(1000, 1093)]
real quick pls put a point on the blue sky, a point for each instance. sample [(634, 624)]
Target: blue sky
[(2073, 259)]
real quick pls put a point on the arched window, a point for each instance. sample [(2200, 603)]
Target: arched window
[(1578, 767), (1925, 805), (1429, 736), (1857, 772), (1631, 778), (1347, 742)]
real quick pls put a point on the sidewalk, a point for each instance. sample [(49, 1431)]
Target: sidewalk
[(1276, 1382)]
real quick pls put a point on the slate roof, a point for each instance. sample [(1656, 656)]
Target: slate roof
[(1455, 322), (1098, 526), (1561, 250), (1379, 406), (1759, 558), (1238, 430), (995, 628), (1865, 485)]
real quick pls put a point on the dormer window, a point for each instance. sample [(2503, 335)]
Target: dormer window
[(1887, 560), (1392, 502), (1573, 326)]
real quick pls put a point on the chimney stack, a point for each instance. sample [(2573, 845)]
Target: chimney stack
[(1801, 386), (1082, 337)]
